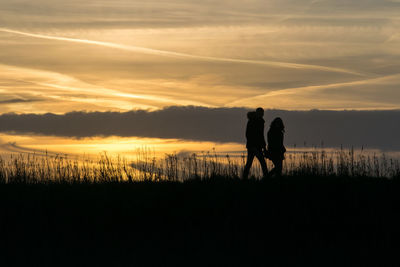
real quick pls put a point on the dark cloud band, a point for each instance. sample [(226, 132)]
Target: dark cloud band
[(371, 129)]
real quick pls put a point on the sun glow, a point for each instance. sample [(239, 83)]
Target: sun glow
[(128, 148)]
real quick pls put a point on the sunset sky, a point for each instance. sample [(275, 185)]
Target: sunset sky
[(61, 56), (121, 55)]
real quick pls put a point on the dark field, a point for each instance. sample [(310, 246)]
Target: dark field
[(288, 221)]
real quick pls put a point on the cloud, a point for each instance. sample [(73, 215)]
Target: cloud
[(183, 55), (59, 90), (361, 93), (18, 100), (122, 55), (371, 129)]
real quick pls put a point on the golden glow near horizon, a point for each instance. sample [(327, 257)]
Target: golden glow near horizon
[(123, 55), (127, 147), (134, 148)]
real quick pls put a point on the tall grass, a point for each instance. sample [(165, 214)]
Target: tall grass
[(31, 168)]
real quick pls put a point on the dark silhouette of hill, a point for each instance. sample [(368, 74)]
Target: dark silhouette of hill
[(291, 221), (372, 129)]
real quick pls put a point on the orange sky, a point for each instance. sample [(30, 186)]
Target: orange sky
[(122, 55)]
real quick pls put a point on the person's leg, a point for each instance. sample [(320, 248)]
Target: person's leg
[(261, 159), (277, 170), (278, 167), (273, 171), (249, 162)]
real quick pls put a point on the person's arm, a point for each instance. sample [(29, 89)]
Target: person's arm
[(282, 145), (263, 138)]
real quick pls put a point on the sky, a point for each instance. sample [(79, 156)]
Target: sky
[(62, 56), (102, 56)]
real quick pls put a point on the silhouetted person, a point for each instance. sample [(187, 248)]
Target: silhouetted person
[(276, 149), (255, 145)]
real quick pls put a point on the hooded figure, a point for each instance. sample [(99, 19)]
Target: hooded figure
[(255, 144), (255, 131)]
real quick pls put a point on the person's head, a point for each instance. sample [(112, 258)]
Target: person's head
[(277, 124), (260, 112)]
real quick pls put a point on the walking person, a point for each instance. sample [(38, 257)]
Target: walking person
[(255, 144), (276, 149)]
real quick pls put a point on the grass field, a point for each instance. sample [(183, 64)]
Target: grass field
[(101, 217), (33, 169)]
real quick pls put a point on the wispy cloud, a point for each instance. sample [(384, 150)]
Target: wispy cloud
[(18, 100), (316, 88), (51, 86), (183, 55), (334, 96)]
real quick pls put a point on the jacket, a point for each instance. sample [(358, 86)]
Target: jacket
[(276, 148), (255, 133)]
